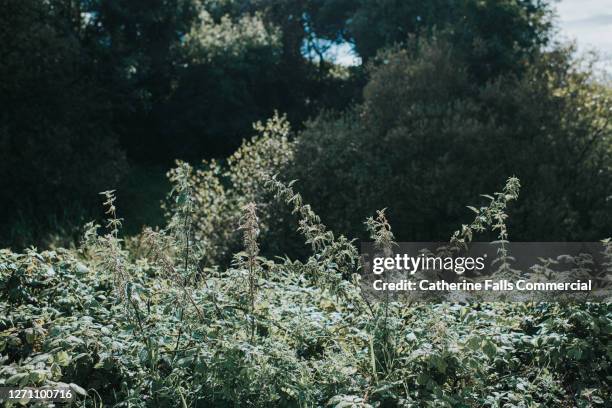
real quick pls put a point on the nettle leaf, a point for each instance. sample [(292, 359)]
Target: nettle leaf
[(40, 358), (17, 379), (56, 371), (474, 344), (439, 363), (489, 348), (37, 376), (62, 358)]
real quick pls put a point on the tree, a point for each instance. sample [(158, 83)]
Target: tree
[(495, 36), (428, 137), (58, 146), (229, 81), (242, 61), (137, 45)]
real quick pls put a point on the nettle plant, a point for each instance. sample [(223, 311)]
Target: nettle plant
[(166, 324), (164, 330), (218, 193)]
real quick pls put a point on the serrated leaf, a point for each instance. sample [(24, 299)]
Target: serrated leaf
[(489, 348), (16, 378)]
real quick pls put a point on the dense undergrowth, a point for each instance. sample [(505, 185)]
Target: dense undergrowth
[(159, 320), (159, 331)]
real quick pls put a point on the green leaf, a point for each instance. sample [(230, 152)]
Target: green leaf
[(62, 358), (39, 358), (16, 378), (473, 343), (439, 363), (37, 376), (489, 348)]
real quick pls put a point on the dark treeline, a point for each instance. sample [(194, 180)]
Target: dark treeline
[(96, 93)]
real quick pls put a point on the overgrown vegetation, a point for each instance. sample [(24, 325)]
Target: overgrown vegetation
[(149, 322), (240, 291)]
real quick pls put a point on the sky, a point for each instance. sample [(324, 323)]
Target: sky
[(588, 22)]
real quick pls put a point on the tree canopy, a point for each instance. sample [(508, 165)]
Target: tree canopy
[(96, 89)]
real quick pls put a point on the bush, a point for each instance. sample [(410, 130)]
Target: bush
[(427, 138)]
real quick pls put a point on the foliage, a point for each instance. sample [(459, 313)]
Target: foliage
[(496, 36), (428, 137), (209, 40), (177, 69), (220, 192), (54, 126), (231, 67), (91, 82), (88, 82), (150, 331)]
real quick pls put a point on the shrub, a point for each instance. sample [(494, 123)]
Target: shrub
[(428, 137)]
